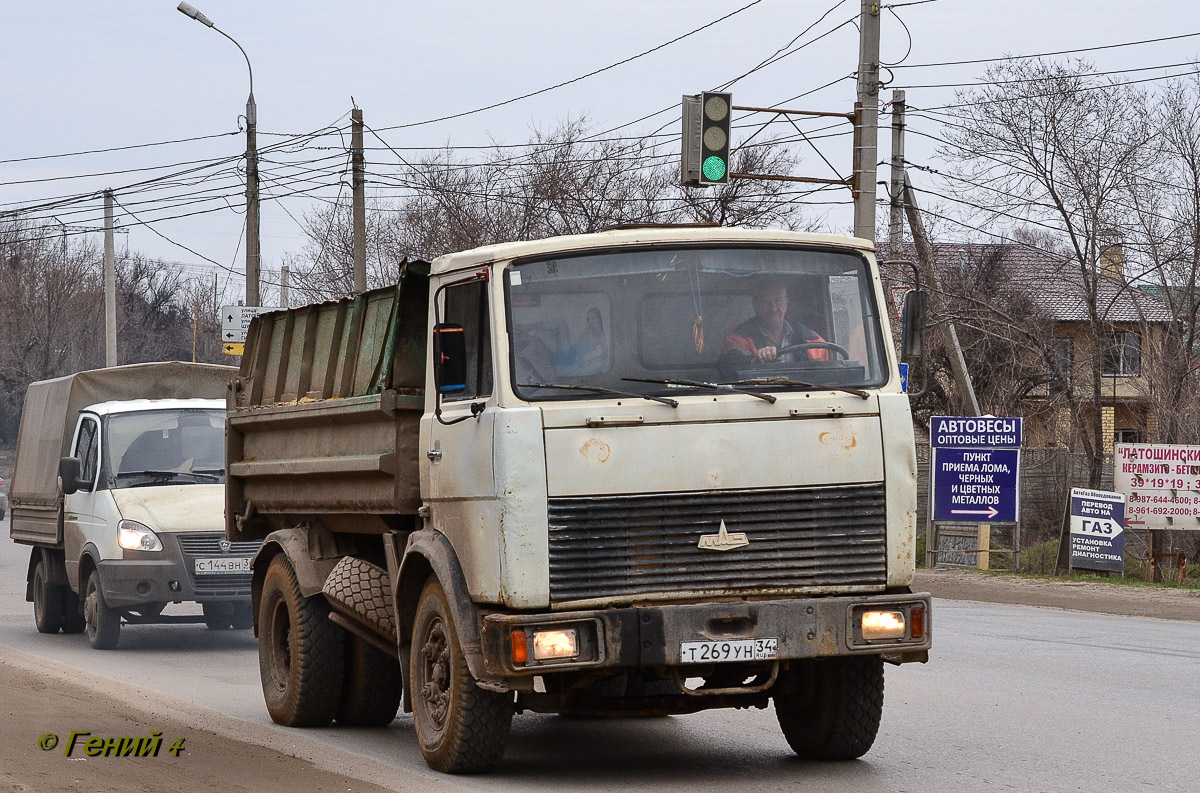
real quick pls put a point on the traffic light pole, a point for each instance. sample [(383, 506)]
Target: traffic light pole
[(866, 148)]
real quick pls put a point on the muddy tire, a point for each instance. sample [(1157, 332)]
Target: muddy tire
[(73, 621), (830, 709), (299, 652), (363, 590), (103, 623), (461, 728), (49, 601), (372, 687)]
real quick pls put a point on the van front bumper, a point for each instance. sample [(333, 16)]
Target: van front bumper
[(172, 575)]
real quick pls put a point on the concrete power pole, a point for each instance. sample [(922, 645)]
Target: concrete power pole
[(358, 181), (866, 148), (284, 272), (896, 191), (252, 220), (110, 285)]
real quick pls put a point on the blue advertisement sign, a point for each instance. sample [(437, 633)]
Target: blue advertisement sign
[(974, 432), (976, 485), (1097, 530)]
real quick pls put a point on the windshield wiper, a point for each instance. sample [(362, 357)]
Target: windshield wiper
[(788, 381), (699, 384), (157, 475), (600, 390)]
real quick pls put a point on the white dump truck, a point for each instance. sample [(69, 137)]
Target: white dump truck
[(643, 471), (119, 487)]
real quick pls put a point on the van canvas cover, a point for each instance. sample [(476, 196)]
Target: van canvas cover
[(48, 422)]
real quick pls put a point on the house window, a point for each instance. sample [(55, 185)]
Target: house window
[(1128, 436), (1062, 353), (1123, 354)]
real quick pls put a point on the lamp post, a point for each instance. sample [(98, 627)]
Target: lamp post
[(252, 245)]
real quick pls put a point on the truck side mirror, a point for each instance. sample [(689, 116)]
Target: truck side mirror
[(912, 325), (70, 470), (449, 358)]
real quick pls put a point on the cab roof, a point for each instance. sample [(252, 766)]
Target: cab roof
[(138, 405), (635, 236)]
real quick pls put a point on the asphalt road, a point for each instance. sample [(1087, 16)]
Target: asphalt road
[(1014, 698)]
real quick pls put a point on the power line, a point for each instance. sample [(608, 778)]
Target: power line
[(118, 148), (1048, 54)]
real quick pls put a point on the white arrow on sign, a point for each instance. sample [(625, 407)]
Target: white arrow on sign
[(991, 512)]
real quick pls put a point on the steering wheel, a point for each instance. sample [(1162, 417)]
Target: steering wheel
[(814, 345)]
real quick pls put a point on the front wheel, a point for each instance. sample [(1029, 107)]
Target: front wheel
[(830, 709), (461, 727), (103, 623), (299, 652), (49, 601)]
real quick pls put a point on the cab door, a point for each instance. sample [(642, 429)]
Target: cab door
[(81, 524)]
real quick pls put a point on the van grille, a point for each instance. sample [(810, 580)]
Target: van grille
[(798, 537), (208, 545)]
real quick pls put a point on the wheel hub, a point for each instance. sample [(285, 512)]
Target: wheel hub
[(435, 654)]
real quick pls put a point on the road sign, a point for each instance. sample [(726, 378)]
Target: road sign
[(1161, 483), (1097, 530), (976, 485), (235, 321), (233, 349), (974, 432)]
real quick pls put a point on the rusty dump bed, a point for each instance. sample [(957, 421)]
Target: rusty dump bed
[(324, 413), (48, 420)]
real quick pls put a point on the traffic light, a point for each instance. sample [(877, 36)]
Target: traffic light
[(706, 124)]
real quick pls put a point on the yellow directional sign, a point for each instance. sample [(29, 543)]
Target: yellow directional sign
[(233, 349)]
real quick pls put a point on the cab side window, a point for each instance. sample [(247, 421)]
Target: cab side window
[(87, 449), (467, 305)]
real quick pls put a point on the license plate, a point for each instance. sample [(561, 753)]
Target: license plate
[(728, 652), (226, 564)]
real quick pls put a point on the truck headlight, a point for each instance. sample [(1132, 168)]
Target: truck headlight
[(555, 643), (882, 625), (134, 536)]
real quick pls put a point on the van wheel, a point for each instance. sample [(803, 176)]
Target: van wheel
[(103, 623), (372, 688), (49, 601), (461, 728), (299, 652), (830, 709), (218, 616), (243, 617)]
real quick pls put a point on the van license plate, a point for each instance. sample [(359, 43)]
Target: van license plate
[(728, 652), (228, 564)]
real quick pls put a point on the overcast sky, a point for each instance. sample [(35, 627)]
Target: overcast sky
[(91, 75)]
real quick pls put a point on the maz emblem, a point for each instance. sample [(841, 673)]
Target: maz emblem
[(723, 540)]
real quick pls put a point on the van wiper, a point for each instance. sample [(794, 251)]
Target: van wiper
[(163, 475), (700, 384), (858, 392), (600, 390)]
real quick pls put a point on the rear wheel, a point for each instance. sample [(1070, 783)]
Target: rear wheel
[(73, 621), (372, 688), (461, 727), (299, 652), (103, 623), (830, 709), (49, 601)]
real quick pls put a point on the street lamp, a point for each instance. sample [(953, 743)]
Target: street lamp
[(252, 246)]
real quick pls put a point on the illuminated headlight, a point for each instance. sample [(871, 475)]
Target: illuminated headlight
[(882, 625), (133, 536), (556, 643)]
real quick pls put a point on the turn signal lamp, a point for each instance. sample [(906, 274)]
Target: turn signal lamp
[(556, 643), (882, 625), (916, 620), (520, 647)]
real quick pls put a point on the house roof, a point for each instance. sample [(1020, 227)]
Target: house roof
[(1054, 282)]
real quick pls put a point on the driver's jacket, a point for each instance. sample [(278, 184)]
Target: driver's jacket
[(749, 337)]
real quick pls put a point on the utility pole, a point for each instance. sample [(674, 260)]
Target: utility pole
[(358, 182), (958, 364), (252, 223), (866, 148), (110, 285), (284, 271), (896, 191)]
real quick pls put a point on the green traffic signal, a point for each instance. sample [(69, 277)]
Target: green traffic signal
[(714, 168)]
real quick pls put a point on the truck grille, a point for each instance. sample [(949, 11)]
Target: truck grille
[(208, 545), (798, 537)]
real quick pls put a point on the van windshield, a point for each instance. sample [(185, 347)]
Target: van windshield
[(760, 317), (167, 447)]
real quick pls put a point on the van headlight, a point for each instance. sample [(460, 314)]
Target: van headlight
[(134, 536)]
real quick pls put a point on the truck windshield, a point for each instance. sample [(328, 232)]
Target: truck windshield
[(774, 318), (166, 447)]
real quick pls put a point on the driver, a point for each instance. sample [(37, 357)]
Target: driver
[(759, 339)]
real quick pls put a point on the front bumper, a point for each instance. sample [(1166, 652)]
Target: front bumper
[(652, 636), (169, 575)]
